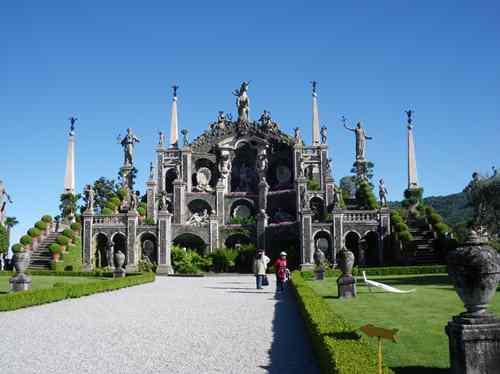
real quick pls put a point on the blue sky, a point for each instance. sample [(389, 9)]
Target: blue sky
[(112, 66)]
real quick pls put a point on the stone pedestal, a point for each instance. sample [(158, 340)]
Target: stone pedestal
[(346, 285), (474, 345), (151, 211), (319, 274), (165, 239), (262, 220), (119, 273), (88, 222), (20, 282)]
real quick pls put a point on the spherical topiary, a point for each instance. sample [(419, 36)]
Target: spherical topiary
[(68, 233), (40, 225), (441, 228), (435, 218), (405, 236), (34, 232), (142, 211), (62, 240), (47, 218), (26, 240), (106, 212), (429, 210), (55, 248), (16, 248), (400, 227), (76, 226)]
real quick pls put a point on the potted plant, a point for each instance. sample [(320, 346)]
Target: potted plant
[(62, 241), (69, 234), (48, 220), (76, 226), (26, 241), (56, 250), (35, 233)]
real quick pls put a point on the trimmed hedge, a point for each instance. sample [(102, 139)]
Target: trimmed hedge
[(338, 346), (55, 248), (46, 218), (17, 248), (40, 225), (64, 291), (26, 240), (390, 270), (34, 232), (62, 240)]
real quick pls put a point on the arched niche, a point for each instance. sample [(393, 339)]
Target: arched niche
[(101, 251), (191, 242), (243, 174), (149, 247)]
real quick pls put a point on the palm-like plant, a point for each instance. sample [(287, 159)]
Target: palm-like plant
[(10, 222)]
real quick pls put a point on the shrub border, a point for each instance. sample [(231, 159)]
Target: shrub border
[(337, 345), (65, 291), (390, 270)]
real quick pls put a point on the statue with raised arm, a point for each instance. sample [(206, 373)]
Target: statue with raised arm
[(128, 143), (72, 121), (242, 102), (4, 198), (382, 192), (161, 137), (361, 138), (324, 134), (185, 137)]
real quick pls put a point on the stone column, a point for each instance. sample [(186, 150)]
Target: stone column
[(214, 232), (262, 219), (412, 162), (338, 231), (164, 242), (187, 167), (297, 154), (219, 201), (151, 196), (263, 190), (160, 169), (330, 192), (87, 240), (132, 257), (179, 201), (306, 242)]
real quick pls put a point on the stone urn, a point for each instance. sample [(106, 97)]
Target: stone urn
[(119, 258), (21, 261), (474, 270), (319, 260), (345, 260)]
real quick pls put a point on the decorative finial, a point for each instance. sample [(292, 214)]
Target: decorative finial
[(409, 114), (72, 121), (314, 84), (175, 87), (344, 120)]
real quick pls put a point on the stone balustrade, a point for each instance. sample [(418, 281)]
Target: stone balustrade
[(115, 219), (361, 216)]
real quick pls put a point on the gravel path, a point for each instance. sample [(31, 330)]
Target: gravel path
[(175, 325)]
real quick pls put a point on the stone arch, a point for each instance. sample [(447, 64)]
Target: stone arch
[(370, 243), (101, 248), (192, 242), (249, 204), (148, 246), (323, 240), (170, 176), (198, 205), (317, 206), (243, 175), (119, 241), (352, 241), (235, 240)]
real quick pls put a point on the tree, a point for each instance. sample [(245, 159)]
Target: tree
[(10, 222), (484, 197), (348, 187), (68, 205), (104, 189), (4, 239)]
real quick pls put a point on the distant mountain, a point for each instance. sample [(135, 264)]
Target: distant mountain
[(453, 208)]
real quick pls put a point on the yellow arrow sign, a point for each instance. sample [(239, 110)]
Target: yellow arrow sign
[(380, 333)]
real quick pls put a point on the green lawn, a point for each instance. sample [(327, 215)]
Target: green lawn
[(420, 317), (47, 281)]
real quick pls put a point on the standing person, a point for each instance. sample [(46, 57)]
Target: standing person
[(259, 268), (281, 272)]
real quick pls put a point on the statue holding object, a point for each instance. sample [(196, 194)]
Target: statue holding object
[(128, 144), (243, 102), (361, 138)]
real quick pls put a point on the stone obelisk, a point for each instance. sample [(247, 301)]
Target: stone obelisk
[(315, 116), (174, 136), (412, 162), (69, 177)]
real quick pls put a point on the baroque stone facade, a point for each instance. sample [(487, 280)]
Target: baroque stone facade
[(239, 182)]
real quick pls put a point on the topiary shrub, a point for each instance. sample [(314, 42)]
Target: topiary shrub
[(400, 227), (26, 240), (223, 260), (62, 240), (188, 262), (395, 219), (441, 228), (16, 248), (121, 194), (55, 248), (46, 218), (69, 234), (435, 218), (405, 236), (365, 198), (76, 226), (41, 225), (106, 212), (34, 232)]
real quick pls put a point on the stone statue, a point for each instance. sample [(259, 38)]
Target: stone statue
[(178, 170), (110, 254), (89, 198), (134, 200), (128, 143), (337, 197), (221, 118), (225, 165), (329, 166), (265, 118), (302, 168), (303, 198), (151, 171), (185, 137), (162, 204), (382, 193), (319, 257), (4, 198), (72, 121), (199, 219), (262, 165), (161, 139), (242, 102), (361, 138), (297, 137), (324, 135)]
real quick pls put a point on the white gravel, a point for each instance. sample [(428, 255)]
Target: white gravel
[(175, 325)]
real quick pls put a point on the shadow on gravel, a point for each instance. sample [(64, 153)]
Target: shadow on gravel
[(262, 292), (419, 370), (290, 351), (231, 288)]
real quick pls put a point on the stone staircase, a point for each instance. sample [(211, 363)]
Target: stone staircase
[(41, 257), (423, 242)]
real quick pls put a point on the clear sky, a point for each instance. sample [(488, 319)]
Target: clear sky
[(112, 67)]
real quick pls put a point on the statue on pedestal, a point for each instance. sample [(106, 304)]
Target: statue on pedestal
[(162, 203), (161, 139), (89, 198), (382, 193), (4, 198), (361, 138), (128, 143), (225, 165), (242, 102), (185, 137), (134, 200), (297, 137), (324, 134)]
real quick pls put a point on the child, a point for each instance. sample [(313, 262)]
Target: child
[(281, 272)]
